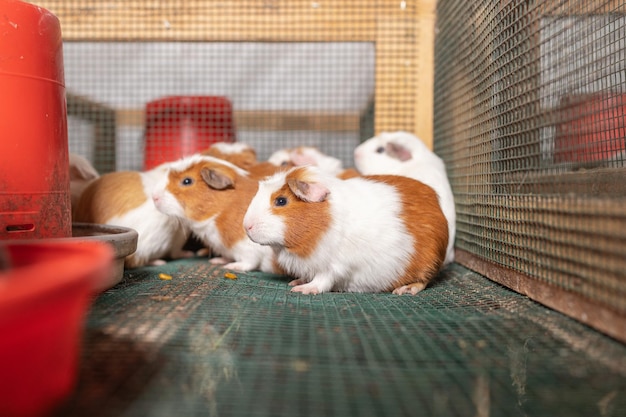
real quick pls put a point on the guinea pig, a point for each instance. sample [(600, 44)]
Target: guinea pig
[(237, 153), (82, 173), (211, 196), (123, 198), (364, 234), (243, 156), (402, 153), (306, 155)]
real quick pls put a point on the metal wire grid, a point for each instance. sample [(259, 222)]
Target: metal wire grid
[(282, 95), (201, 344), (297, 73), (529, 118)]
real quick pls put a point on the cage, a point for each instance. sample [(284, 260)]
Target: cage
[(295, 72), (530, 118), (522, 99)]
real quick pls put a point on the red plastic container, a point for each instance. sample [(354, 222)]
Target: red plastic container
[(34, 178), (44, 297), (180, 126), (592, 128)]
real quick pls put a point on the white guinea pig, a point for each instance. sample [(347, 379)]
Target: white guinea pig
[(306, 155), (364, 234), (402, 153), (123, 198), (211, 196)]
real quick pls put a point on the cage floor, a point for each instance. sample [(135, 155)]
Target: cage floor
[(204, 345)]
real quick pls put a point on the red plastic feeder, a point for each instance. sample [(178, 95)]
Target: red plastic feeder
[(592, 128), (180, 126), (34, 178), (46, 288)]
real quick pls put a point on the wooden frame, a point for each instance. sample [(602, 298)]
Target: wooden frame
[(402, 31)]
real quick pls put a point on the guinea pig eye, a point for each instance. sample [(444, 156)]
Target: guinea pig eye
[(280, 201), (284, 163), (380, 149), (187, 181)]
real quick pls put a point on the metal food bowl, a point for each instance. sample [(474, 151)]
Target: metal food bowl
[(122, 239)]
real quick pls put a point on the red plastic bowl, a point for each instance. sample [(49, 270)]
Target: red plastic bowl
[(44, 296)]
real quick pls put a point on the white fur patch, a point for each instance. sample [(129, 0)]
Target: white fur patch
[(261, 225), (159, 234), (247, 254), (167, 204), (424, 166), (231, 148), (313, 156), (279, 157), (186, 163)]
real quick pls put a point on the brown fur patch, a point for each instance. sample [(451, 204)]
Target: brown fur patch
[(424, 220), (265, 169), (305, 222), (348, 173), (247, 160), (111, 195), (201, 202), (244, 159)]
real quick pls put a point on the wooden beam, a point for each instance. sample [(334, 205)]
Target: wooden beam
[(268, 120), (200, 20)]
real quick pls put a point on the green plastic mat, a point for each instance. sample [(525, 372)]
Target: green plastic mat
[(201, 344)]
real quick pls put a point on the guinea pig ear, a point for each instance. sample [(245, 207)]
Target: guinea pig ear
[(398, 151), (312, 192), (217, 179)]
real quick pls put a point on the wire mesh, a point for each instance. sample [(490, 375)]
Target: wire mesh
[(529, 117), (200, 344), (295, 73)]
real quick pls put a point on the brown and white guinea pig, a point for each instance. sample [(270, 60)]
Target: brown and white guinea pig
[(124, 198), (243, 156), (306, 155), (82, 173), (365, 234), (211, 195), (402, 153)]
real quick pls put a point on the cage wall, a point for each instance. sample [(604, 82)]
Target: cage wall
[(529, 115), (327, 74)]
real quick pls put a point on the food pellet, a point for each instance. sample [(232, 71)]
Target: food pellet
[(230, 275), (165, 277)]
